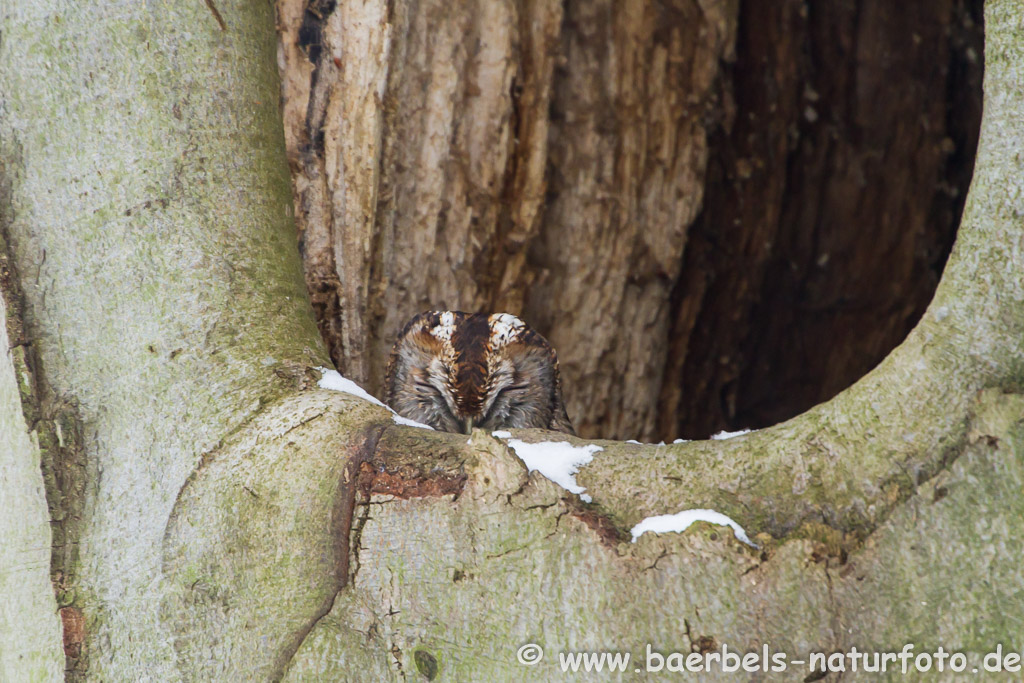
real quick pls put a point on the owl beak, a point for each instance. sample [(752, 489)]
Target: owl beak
[(469, 426)]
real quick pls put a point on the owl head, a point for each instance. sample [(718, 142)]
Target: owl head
[(455, 371)]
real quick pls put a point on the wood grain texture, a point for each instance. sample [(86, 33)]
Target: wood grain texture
[(832, 201), (718, 212)]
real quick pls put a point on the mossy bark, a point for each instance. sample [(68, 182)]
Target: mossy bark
[(149, 223), (236, 522), (512, 562)]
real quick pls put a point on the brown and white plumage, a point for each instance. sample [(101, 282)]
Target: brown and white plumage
[(454, 371)]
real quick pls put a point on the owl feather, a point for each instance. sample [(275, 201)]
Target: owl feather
[(455, 371)]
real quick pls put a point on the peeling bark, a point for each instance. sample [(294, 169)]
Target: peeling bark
[(423, 139)]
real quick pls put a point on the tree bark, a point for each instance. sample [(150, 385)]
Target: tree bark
[(163, 306), (720, 213), (522, 156), (30, 632), (834, 192), (221, 517)]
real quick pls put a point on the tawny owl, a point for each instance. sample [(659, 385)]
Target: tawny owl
[(455, 371)]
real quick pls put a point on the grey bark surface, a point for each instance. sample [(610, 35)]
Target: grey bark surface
[(30, 631), (150, 226), (233, 521)]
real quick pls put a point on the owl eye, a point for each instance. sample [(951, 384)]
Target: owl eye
[(508, 392), (433, 394), (433, 398), (428, 393), (511, 389)]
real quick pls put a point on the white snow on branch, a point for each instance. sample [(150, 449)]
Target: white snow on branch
[(407, 421), (660, 443), (332, 379), (559, 461), (728, 435), (682, 520)]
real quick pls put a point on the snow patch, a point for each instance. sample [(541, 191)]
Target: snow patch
[(728, 435), (407, 422), (644, 443), (559, 461), (332, 379), (501, 434), (662, 443), (682, 520)]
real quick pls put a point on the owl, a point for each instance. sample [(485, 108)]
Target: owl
[(455, 371)]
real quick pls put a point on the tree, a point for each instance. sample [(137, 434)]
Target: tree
[(215, 514), (683, 197)]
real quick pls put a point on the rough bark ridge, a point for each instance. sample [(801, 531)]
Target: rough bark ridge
[(30, 631), (550, 158), (631, 113), (56, 453), (515, 156), (402, 129)]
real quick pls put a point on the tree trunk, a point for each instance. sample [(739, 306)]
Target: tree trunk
[(519, 156), (149, 225), (719, 213), (215, 515)]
